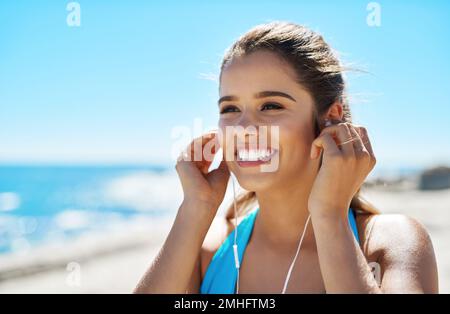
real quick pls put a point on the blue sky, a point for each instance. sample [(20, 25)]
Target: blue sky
[(112, 90)]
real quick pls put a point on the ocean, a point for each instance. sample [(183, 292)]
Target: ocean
[(40, 204)]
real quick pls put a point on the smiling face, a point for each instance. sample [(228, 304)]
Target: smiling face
[(260, 89)]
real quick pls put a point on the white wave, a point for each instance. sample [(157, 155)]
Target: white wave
[(9, 201), (73, 219), (20, 246), (12, 226), (145, 191)]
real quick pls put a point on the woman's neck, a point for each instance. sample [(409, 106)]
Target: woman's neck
[(283, 213)]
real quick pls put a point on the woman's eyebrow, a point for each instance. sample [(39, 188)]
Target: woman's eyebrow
[(227, 98), (272, 94), (259, 95)]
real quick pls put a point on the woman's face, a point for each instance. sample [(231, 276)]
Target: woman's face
[(257, 90)]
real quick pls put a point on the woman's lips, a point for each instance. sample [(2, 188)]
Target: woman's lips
[(245, 164)]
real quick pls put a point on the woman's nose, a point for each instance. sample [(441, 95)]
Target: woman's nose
[(247, 121), (246, 131)]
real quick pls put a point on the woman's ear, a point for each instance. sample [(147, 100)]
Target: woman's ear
[(335, 112)]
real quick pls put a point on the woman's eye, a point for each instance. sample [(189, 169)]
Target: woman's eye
[(227, 109), (271, 106)]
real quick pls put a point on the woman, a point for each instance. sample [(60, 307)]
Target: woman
[(311, 231)]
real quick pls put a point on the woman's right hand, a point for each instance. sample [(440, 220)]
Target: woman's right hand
[(200, 186)]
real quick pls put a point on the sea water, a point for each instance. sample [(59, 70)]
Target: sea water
[(43, 203)]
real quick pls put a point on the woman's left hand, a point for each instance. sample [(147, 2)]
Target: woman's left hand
[(347, 160)]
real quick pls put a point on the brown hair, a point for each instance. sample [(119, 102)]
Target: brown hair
[(318, 70)]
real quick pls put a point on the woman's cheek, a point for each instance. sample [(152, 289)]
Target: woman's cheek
[(295, 142)]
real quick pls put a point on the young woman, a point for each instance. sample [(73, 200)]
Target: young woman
[(311, 231)]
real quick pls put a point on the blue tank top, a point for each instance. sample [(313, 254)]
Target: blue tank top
[(221, 274)]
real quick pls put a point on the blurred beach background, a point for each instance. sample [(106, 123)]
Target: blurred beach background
[(92, 116)]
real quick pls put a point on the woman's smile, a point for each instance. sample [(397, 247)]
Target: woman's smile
[(254, 157)]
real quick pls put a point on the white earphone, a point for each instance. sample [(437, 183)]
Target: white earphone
[(235, 247)]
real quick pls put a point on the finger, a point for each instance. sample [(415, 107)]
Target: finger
[(208, 151), (196, 143), (326, 142), (342, 134), (195, 152), (358, 145), (219, 175), (188, 172), (365, 139)]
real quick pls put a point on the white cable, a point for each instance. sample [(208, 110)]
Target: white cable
[(295, 258), (235, 247)]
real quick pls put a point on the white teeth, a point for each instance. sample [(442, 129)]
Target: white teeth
[(254, 154)]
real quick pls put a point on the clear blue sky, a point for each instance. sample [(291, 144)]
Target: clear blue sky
[(113, 89)]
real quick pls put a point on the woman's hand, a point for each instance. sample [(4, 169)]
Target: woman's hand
[(203, 193), (199, 185), (347, 160)]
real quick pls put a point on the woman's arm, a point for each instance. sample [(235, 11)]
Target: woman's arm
[(407, 262), (407, 259), (342, 263), (347, 159), (173, 268)]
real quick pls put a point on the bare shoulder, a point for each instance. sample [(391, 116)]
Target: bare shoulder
[(219, 230), (382, 233), (402, 248)]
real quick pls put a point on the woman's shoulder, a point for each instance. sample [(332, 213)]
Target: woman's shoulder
[(383, 234), (218, 231), (402, 251)]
